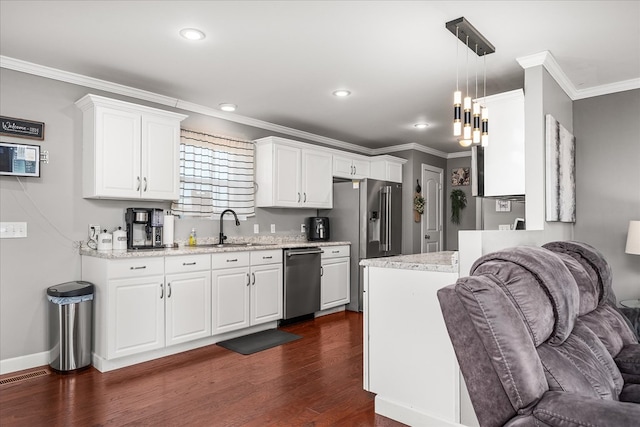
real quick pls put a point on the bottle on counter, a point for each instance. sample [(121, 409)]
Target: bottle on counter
[(193, 240)]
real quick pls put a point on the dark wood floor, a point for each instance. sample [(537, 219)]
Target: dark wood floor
[(314, 381)]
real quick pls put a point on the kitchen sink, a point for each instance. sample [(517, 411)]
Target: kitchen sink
[(232, 245)]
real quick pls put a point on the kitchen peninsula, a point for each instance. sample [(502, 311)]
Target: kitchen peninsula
[(409, 362)]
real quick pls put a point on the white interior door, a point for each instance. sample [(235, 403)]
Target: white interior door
[(432, 218)]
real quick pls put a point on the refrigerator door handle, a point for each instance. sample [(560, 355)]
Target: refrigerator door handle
[(385, 233)]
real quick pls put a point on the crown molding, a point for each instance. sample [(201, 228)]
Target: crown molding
[(607, 89), (107, 86), (551, 65), (547, 60)]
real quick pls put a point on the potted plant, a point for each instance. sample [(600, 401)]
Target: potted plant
[(458, 203)]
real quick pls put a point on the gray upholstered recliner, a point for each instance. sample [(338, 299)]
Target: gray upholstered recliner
[(526, 350)]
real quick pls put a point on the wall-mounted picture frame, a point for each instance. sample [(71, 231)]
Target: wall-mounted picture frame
[(460, 177), (503, 205), (21, 128), (560, 176)]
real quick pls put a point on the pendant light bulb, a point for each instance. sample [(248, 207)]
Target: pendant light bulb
[(465, 142), (484, 136), (457, 118)]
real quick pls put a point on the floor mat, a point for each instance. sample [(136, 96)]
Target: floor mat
[(259, 341)]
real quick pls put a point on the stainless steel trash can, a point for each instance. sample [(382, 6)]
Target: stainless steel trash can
[(70, 325)]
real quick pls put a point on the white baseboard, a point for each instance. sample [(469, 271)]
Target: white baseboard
[(24, 362), (409, 416)]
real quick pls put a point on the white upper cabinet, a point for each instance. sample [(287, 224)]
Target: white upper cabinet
[(292, 174), (129, 151), (504, 156), (351, 166), (387, 168)]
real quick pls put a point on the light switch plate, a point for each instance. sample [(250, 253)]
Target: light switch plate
[(13, 230), (302, 228), (273, 228), (256, 228)]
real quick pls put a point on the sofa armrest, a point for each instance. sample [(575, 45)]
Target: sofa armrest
[(633, 315), (571, 410)]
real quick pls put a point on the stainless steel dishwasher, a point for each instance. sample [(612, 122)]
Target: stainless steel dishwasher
[(301, 282)]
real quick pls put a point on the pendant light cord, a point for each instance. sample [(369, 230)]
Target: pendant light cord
[(457, 61)]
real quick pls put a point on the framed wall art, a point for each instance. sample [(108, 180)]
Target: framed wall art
[(460, 177)]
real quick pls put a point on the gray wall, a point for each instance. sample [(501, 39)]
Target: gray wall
[(412, 171), (468, 215), (607, 131)]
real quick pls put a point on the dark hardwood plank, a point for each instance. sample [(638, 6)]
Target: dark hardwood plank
[(314, 381)]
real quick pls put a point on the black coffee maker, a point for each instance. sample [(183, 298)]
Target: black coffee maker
[(317, 228), (144, 228)]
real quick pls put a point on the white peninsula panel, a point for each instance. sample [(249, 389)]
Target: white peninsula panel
[(409, 362)]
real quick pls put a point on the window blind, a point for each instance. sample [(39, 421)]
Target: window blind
[(216, 173)]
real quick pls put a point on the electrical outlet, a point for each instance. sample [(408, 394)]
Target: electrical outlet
[(13, 230), (94, 230), (303, 228), (273, 228), (256, 228)]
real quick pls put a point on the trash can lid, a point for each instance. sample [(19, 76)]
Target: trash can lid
[(71, 289)]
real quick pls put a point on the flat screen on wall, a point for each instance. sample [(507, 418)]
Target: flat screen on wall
[(19, 159)]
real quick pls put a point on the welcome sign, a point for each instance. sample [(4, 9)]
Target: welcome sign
[(21, 128)]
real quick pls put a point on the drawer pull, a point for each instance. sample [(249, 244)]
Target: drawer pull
[(267, 257), (188, 263), (233, 260), (138, 268), (335, 252)]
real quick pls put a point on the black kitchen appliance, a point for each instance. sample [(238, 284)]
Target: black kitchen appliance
[(317, 228), (144, 228)]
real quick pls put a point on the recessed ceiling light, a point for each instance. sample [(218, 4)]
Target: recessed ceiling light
[(192, 34), (341, 93), (421, 125), (228, 107)]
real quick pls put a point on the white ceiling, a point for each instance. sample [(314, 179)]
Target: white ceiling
[(280, 61)]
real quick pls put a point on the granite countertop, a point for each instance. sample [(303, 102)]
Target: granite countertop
[(445, 262), (259, 244)]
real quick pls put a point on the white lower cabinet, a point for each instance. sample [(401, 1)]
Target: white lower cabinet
[(135, 317), (335, 280), (187, 296), (142, 305), (248, 292)]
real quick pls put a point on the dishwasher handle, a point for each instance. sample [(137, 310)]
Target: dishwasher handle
[(308, 251)]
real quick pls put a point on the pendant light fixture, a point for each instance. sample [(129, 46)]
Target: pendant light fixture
[(457, 100), (484, 111), (475, 118)]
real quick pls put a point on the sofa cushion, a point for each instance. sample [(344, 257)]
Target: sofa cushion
[(581, 365), (592, 260), (520, 272), (628, 360)]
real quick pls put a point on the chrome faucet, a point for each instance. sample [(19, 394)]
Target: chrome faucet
[(222, 237)]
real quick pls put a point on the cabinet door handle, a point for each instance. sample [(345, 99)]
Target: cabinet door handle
[(233, 260), (355, 170), (305, 197), (138, 268), (321, 271), (188, 263), (169, 290), (253, 277), (138, 188), (161, 291), (351, 169), (248, 280), (298, 197), (145, 184)]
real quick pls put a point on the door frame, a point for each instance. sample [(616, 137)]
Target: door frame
[(440, 172)]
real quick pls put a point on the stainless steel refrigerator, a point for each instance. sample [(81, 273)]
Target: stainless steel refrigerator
[(368, 214)]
